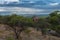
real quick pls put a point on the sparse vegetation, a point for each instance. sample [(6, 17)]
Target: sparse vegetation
[(18, 24)]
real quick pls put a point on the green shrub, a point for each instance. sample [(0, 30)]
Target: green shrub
[(9, 38)]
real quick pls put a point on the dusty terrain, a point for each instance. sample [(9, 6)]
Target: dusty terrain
[(32, 35)]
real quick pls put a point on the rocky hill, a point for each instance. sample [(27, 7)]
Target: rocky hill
[(6, 34)]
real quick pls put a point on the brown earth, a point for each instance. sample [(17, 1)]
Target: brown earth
[(32, 35)]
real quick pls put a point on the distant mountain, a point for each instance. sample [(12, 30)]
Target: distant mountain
[(25, 15), (31, 15)]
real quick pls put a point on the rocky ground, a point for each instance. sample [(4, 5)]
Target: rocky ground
[(32, 35)]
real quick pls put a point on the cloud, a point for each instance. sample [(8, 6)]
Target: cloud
[(21, 10), (1, 10), (31, 2), (54, 4), (12, 0)]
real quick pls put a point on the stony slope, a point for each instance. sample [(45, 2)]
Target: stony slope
[(32, 35)]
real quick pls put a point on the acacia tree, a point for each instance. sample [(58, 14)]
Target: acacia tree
[(16, 24), (41, 24), (54, 20), (44, 25)]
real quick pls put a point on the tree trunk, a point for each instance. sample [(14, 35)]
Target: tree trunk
[(16, 36)]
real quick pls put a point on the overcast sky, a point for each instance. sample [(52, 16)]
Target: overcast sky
[(42, 6), (11, 0)]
